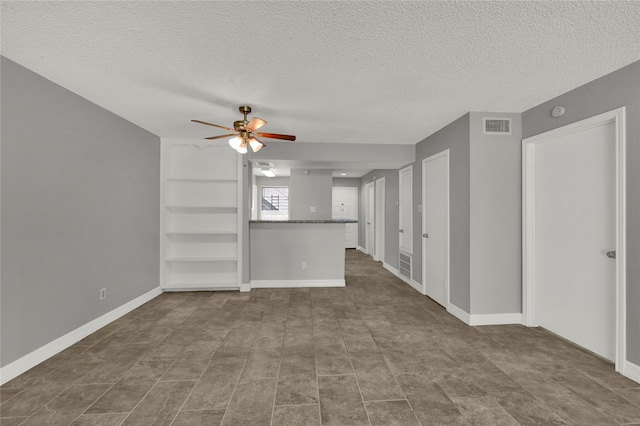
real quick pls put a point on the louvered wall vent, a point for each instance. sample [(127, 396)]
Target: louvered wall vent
[(497, 126), (264, 164)]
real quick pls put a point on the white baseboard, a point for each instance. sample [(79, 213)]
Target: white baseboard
[(416, 285), (25, 363), (362, 249), (296, 283), (631, 371), (495, 319), (245, 287), (458, 313)]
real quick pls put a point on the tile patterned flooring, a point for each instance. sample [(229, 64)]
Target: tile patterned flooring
[(373, 353)]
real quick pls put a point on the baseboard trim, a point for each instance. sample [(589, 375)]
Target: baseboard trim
[(245, 287), (25, 363), (296, 283), (631, 371), (362, 249), (495, 319), (459, 313), (415, 285)]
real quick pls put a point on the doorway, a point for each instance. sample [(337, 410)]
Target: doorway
[(574, 232), (435, 227)]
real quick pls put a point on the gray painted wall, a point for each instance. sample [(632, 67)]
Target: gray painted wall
[(454, 137), (620, 88), (495, 217), (278, 250), (347, 183), (306, 190), (391, 213), (80, 211)]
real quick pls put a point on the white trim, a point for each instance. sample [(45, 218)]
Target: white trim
[(380, 198), (245, 287), (495, 319), (362, 249), (409, 207), (21, 365), (296, 283), (416, 285), (459, 313), (445, 154), (631, 371), (200, 288), (616, 116)]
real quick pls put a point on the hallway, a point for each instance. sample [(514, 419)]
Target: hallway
[(375, 352)]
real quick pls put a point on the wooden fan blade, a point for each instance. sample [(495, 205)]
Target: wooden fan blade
[(276, 136), (221, 136), (254, 124), (214, 125)]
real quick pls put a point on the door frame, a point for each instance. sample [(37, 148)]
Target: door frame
[(379, 227), (444, 154), (404, 206), (617, 117), (369, 219)]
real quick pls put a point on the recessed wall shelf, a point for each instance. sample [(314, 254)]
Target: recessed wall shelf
[(200, 216)]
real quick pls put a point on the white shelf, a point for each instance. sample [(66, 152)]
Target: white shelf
[(201, 259), (202, 209), (204, 180), (198, 233)]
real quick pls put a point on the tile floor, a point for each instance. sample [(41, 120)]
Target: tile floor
[(373, 353)]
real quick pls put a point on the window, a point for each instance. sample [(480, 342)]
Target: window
[(275, 203)]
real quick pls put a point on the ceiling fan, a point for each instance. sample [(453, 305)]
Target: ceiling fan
[(245, 132)]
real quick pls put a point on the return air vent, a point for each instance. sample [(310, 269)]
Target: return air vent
[(266, 164), (497, 126)]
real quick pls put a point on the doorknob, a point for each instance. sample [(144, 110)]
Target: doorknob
[(401, 231), (611, 254), (425, 235)]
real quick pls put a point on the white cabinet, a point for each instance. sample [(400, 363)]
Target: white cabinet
[(201, 195)]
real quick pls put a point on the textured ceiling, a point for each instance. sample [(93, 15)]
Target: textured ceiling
[(350, 72)]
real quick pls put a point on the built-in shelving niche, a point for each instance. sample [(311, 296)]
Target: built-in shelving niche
[(200, 216)]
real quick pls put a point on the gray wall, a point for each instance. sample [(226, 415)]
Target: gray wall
[(454, 137), (391, 213), (278, 250), (80, 211), (495, 217), (346, 183), (620, 88), (306, 190)]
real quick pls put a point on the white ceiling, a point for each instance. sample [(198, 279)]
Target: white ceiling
[(329, 71)]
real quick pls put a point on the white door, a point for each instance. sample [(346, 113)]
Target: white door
[(405, 210), (379, 227), (370, 219), (345, 206), (435, 227), (575, 226)]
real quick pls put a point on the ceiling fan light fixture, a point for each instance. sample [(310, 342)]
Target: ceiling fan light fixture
[(235, 142), (242, 149), (255, 144)]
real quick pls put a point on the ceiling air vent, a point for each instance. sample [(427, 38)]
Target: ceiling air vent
[(264, 164), (497, 126)]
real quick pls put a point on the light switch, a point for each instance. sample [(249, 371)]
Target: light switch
[(312, 209)]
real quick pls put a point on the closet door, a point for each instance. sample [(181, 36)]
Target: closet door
[(405, 210)]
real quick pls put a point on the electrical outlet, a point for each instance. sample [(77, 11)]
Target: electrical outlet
[(103, 293), (304, 265), (312, 209)]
